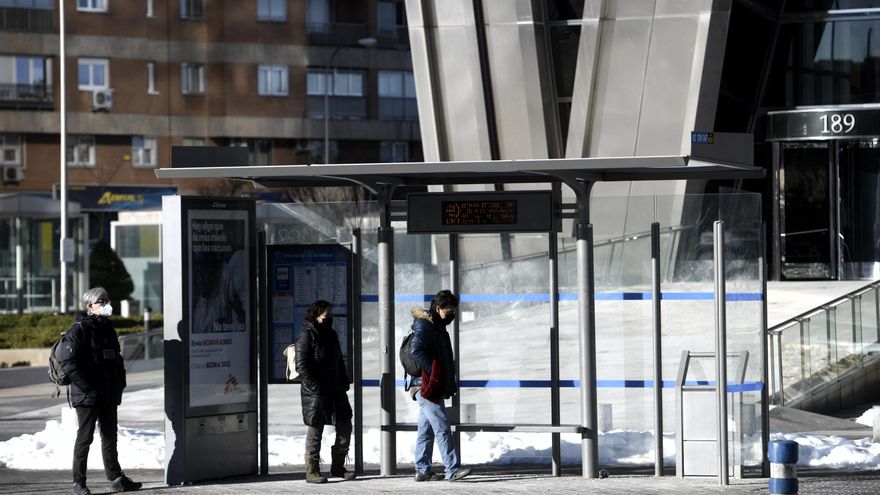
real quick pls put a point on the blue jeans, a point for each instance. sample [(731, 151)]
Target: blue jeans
[(433, 424)]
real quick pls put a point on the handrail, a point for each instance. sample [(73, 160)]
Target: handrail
[(821, 308)]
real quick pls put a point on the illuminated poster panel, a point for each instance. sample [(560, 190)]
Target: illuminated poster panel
[(221, 319)]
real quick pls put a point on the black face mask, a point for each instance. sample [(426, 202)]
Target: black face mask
[(448, 319), (328, 322)]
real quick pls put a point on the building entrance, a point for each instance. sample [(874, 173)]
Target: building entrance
[(829, 210)]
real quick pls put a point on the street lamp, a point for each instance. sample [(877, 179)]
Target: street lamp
[(364, 42)]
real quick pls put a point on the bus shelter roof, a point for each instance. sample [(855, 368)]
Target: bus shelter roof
[(630, 168)]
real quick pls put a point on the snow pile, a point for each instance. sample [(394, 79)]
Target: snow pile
[(867, 418)]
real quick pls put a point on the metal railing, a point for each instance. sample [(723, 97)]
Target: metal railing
[(38, 294), (27, 20), (393, 37), (143, 345), (335, 33), (822, 345), (26, 96), (341, 107)]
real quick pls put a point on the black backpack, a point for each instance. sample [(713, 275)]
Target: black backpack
[(410, 367), (56, 374)]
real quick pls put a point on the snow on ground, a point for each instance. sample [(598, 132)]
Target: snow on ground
[(52, 447)]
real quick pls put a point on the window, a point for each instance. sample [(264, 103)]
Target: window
[(192, 78), (193, 141), (259, 150), (25, 70), (143, 151), (192, 9), (318, 16), (396, 84), (272, 10), (397, 96), (272, 80), (151, 78), (394, 151), (94, 74), (316, 151), (347, 83), (81, 151), (10, 149), (29, 4), (91, 5)]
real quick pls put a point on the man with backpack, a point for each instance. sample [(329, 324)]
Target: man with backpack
[(91, 359), (431, 350)]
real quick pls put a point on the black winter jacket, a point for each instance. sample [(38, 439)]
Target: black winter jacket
[(431, 341), (90, 356), (324, 377)]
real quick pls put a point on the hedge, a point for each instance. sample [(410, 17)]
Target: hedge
[(42, 329)]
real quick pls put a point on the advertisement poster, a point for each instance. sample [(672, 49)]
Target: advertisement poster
[(299, 276), (220, 319)]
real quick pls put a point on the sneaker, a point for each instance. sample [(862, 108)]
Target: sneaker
[(429, 477), (124, 484), (81, 489), (460, 474)]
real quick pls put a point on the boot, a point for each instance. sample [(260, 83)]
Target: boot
[(337, 468), (313, 469)]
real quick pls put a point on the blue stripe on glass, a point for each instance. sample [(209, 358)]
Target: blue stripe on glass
[(731, 388), (600, 296)]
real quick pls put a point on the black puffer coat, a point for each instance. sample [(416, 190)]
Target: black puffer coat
[(91, 357), (324, 378)]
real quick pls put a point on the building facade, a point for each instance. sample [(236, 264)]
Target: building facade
[(606, 78), (145, 76)]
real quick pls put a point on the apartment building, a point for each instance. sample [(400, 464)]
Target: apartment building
[(280, 77)]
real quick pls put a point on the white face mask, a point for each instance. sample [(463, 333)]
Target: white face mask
[(106, 309)]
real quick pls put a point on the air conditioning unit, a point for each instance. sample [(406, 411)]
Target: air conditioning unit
[(12, 174), (102, 99)]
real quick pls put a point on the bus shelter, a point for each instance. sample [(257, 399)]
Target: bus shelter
[(580, 174)]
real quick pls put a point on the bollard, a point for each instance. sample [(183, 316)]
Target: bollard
[(783, 455), (148, 340)]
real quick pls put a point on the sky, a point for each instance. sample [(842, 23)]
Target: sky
[(52, 447)]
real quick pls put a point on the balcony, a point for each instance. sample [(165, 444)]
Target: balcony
[(398, 109), (393, 37), (335, 33), (341, 107), (26, 97), (27, 20)]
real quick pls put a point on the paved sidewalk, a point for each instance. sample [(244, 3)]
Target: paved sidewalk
[(484, 480)]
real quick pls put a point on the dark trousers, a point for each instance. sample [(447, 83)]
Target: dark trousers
[(87, 416), (343, 437)]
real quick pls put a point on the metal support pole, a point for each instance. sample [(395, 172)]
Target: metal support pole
[(587, 341), (148, 339), (658, 354), (765, 393), (19, 266), (263, 360), (357, 352), (556, 443), (388, 416), (62, 112), (454, 286), (721, 353)]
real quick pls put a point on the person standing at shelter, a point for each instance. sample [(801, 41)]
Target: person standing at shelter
[(324, 385), (90, 356), (431, 349)]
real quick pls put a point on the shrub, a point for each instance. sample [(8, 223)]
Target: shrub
[(108, 271)]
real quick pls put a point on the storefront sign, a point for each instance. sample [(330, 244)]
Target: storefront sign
[(117, 198), (824, 123)]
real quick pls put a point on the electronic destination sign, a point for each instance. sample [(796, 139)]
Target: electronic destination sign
[(482, 212)]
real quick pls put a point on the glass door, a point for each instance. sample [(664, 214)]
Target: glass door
[(805, 211), (859, 186)]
